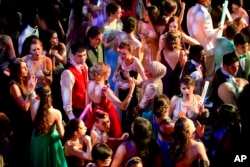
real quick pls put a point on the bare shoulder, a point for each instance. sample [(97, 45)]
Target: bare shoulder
[(174, 99), (197, 97), (57, 113), (47, 59)]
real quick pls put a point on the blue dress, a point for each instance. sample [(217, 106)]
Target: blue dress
[(47, 150), (110, 54)]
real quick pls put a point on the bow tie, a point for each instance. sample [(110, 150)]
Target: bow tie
[(242, 56)]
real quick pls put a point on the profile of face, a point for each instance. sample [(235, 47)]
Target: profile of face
[(36, 51), (146, 17), (186, 90), (82, 129), (54, 39), (23, 69), (96, 41), (80, 57), (232, 69), (118, 13)]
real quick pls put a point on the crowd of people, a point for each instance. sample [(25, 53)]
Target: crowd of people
[(124, 83)]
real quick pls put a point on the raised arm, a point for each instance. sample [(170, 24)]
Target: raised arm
[(116, 101), (15, 92), (189, 40)]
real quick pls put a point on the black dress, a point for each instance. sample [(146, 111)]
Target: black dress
[(22, 126)]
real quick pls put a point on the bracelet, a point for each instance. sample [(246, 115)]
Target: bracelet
[(29, 95), (130, 96)]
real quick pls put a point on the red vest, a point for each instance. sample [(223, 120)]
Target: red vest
[(79, 88)]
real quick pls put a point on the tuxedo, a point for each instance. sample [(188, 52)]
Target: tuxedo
[(244, 68)]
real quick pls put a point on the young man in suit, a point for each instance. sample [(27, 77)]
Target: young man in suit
[(94, 46), (241, 51)]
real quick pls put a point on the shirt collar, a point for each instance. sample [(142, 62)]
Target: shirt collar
[(195, 63), (227, 75), (77, 66), (239, 56)]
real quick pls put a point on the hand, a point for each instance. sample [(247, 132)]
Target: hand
[(54, 52), (200, 129), (86, 139), (123, 85), (241, 82), (105, 42), (183, 5), (124, 136), (182, 114), (32, 83), (126, 74), (132, 83)]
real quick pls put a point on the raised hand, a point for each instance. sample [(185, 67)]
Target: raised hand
[(32, 83), (200, 129)]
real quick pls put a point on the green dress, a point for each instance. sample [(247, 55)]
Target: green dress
[(47, 150)]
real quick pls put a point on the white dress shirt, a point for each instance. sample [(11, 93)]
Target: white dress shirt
[(67, 82), (200, 27), (28, 31)]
